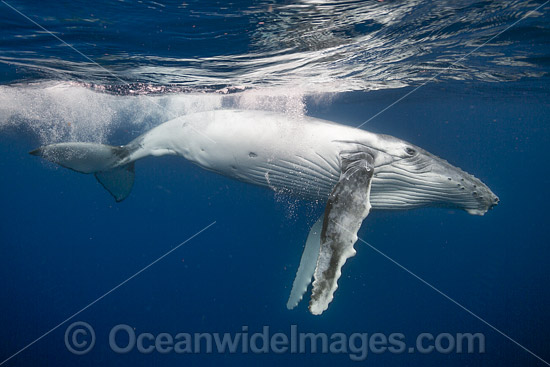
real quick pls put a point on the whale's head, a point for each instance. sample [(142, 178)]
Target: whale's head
[(407, 176)]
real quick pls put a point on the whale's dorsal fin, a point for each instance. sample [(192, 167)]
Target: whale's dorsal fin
[(347, 206)]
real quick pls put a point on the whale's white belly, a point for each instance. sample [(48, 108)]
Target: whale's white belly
[(295, 155)]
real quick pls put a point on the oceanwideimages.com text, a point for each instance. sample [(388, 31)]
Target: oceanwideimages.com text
[(80, 338)]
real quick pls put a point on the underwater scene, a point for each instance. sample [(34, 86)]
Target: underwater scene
[(310, 182)]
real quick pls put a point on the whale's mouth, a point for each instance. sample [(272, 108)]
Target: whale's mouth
[(395, 191), (489, 204)]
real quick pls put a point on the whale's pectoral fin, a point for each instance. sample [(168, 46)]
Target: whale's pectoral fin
[(347, 206), (307, 265)]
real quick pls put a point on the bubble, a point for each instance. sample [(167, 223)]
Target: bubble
[(64, 111), (287, 101)]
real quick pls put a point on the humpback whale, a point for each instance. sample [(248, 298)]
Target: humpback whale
[(353, 170)]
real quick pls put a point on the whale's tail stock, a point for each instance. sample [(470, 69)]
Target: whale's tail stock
[(110, 165)]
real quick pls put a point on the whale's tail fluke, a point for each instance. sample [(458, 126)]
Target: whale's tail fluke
[(110, 165)]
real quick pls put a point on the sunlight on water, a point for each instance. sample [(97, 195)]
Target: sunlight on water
[(319, 46)]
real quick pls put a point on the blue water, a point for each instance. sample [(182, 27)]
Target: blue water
[(483, 104)]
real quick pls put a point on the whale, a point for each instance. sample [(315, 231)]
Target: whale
[(352, 170)]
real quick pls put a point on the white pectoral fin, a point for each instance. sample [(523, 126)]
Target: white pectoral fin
[(347, 206), (307, 265)]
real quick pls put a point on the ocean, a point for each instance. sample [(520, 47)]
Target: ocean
[(194, 268)]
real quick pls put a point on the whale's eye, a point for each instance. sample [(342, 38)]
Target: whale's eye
[(410, 151)]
